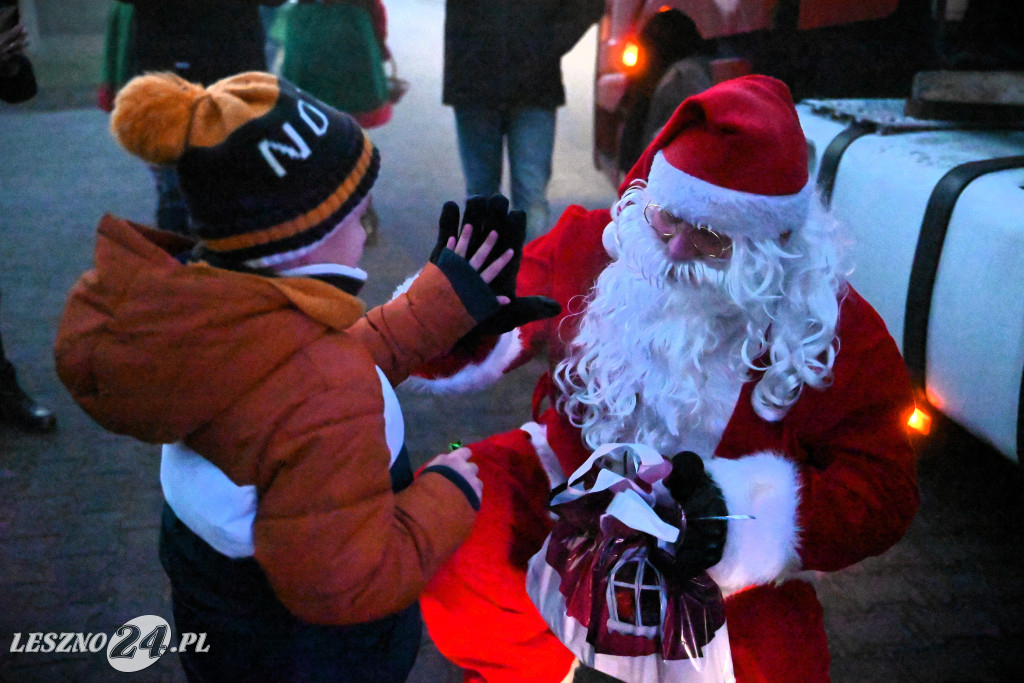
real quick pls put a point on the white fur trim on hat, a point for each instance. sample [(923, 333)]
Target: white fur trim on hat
[(764, 485), (731, 212)]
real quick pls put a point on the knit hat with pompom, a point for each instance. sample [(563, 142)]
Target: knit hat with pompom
[(267, 170)]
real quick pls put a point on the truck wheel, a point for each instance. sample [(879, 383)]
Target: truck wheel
[(684, 78)]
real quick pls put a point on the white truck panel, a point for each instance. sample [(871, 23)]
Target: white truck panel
[(976, 327), (975, 339)]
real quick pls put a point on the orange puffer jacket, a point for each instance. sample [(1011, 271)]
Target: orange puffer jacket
[(274, 381)]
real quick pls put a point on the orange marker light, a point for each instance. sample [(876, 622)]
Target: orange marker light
[(920, 421), (630, 54)]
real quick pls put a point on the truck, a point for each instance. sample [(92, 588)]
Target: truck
[(913, 112)]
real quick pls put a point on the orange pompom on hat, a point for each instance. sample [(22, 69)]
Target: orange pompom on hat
[(267, 170), (733, 157)]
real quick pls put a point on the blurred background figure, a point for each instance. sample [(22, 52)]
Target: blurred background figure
[(202, 41), (503, 77), (337, 51), (17, 84), (17, 78), (271, 46), (118, 64)]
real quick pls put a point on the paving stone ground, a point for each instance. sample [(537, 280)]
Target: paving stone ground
[(79, 508)]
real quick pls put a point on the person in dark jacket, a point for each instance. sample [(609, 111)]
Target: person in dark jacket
[(503, 77), (17, 84), (17, 78), (202, 41)]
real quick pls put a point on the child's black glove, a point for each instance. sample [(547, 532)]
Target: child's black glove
[(486, 214), (704, 539)]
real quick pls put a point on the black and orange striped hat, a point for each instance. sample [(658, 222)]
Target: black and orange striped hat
[(267, 170)]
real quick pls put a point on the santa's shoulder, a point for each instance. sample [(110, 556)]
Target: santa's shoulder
[(859, 322), (867, 354), (576, 226), (575, 238)]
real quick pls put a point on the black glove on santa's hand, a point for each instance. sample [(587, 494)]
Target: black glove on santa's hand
[(486, 214), (699, 496)]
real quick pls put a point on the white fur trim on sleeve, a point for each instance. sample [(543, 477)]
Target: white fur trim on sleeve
[(473, 376), (764, 485), (404, 286)]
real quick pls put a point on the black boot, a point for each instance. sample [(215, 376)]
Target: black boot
[(18, 408)]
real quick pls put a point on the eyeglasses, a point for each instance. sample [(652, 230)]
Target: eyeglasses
[(704, 239)]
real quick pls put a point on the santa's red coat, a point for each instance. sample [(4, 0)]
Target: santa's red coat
[(830, 484)]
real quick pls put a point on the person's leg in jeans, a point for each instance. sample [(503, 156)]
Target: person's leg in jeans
[(531, 143), (480, 133)]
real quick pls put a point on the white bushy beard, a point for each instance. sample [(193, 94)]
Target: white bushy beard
[(664, 347)]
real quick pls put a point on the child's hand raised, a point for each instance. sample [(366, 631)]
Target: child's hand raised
[(494, 225), (486, 215), (479, 257)]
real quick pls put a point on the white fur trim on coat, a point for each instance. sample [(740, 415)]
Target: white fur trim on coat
[(473, 376), (764, 549), (404, 286), (732, 212)]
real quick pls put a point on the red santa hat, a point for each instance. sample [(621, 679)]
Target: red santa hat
[(733, 157)]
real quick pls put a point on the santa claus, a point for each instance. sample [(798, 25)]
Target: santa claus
[(705, 312)]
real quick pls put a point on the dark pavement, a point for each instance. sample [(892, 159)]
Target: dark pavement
[(79, 508)]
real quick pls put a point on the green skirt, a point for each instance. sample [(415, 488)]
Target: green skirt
[(331, 52)]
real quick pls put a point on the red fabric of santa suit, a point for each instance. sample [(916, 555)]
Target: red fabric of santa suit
[(829, 483)]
